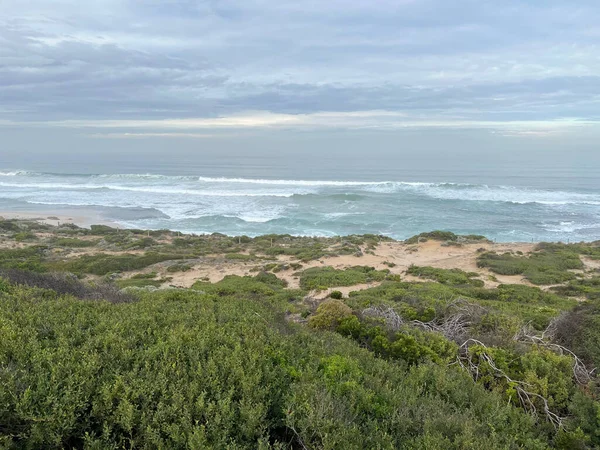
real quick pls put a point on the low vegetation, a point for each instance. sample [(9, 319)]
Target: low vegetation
[(103, 264), (93, 355), (455, 277), (445, 236), (325, 277), (550, 264), (182, 369)]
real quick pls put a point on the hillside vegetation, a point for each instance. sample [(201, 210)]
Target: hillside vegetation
[(89, 359)]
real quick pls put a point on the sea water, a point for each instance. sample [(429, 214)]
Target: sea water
[(253, 196)]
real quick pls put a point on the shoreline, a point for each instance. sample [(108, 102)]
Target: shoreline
[(86, 217), (83, 219)]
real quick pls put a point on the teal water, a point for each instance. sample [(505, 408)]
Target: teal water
[(252, 195)]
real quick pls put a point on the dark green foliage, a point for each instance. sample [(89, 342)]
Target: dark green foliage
[(183, 370), (225, 365), (518, 293), (579, 330), (140, 282), (511, 304), (455, 277), (329, 315), (337, 295), (65, 284), (240, 257), (545, 373), (74, 243), (589, 288), (24, 236), (9, 226), (102, 264), (446, 236), (27, 258), (324, 277), (547, 266), (140, 244), (434, 235), (266, 284), (103, 230), (410, 345), (591, 249), (179, 268)]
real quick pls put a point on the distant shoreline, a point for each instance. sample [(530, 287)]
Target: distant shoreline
[(85, 218), (81, 218)]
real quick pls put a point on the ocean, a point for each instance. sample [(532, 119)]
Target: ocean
[(252, 196)]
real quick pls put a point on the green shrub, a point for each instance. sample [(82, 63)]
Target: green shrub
[(10, 226), (179, 268), (336, 295), (62, 284), (589, 288), (74, 243), (103, 230), (28, 258), (543, 267), (327, 276), (329, 315), (25, 236), (447, 236), (455, 277), (435, 235), (140, 244), (102, 264), (140, 282), (240, 257)]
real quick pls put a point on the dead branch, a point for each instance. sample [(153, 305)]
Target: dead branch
[(526, 397), (580, 372)]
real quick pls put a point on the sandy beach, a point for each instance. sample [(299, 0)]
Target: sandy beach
[(81, 218)]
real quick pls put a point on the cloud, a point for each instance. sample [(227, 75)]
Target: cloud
[(263, 120), (150, 135), (181, 60)]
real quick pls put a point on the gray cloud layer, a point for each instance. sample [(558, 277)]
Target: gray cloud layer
[(468, 60)]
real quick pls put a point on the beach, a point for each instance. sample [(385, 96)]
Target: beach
[(81, 218)]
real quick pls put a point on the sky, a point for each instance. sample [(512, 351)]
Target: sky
[(109, 74)]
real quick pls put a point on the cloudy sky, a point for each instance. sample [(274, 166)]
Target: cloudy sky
[(164, 70)]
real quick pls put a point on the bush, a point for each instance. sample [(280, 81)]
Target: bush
[(74, 243), (240, 257), (10, 226), (103, 229), (336, 295), (65, 284), (329, 315), (102, 264), (589, 288), (543, 267), (324, 277), (25, 236), (455, 277), (179, 268), (28, 258), (183, 370)]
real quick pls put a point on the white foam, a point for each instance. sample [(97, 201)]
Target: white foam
[(16, 173), (343, 214), (570, 227), (290, 182), (507, 194), (146, 189)]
